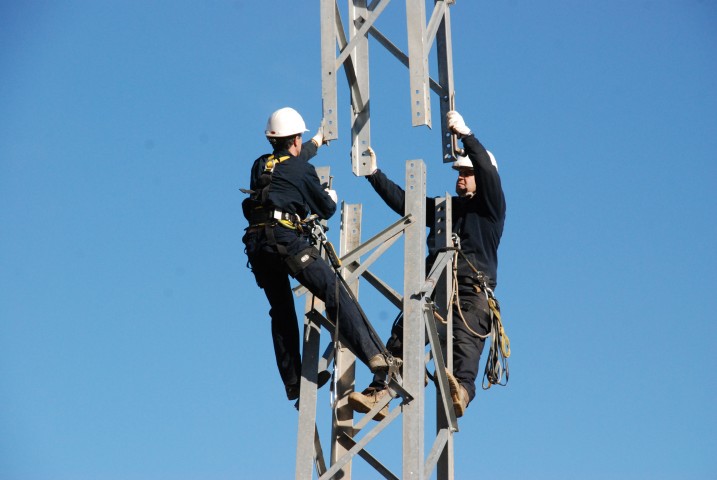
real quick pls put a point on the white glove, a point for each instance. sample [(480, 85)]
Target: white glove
[(373, 165), (332, 194), (456, 124), (318, 139)]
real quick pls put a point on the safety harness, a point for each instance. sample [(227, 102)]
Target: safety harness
[(266, 218), (497, 363), (254, 206)]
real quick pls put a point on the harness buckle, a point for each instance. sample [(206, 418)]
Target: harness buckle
[(283, 216)]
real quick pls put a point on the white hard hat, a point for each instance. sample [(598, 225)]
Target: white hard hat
[(284, 123), (465, 162), (462, 162)]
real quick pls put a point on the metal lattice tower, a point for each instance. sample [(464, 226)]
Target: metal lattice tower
[(353, 57), (350, 52)]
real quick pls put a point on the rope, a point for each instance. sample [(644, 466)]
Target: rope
[(497, 363), (496, 366)]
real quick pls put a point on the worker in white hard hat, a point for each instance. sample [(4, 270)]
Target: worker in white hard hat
[(284, 190), (478, 215), (466, 184)]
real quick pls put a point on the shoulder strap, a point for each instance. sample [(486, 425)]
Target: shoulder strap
[(273, 161)]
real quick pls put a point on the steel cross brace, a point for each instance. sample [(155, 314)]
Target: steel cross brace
[(374, 242)]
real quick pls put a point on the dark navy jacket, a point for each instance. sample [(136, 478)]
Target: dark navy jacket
[(478, 220), (295, 187)]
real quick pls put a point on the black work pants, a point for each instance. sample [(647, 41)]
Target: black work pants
[(467, 346), (471, 323), (272, 275)]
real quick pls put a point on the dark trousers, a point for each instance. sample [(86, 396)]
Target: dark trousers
[(467, 346), (272, 275)]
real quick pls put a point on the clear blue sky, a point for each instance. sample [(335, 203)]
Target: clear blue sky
[(134, 343)]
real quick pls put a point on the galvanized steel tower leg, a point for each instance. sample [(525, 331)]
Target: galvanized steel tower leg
[(307, 455), (345, 360), (414, 331), (444, 290), (305, 451)]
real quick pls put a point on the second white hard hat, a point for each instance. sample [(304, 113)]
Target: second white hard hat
[(465, 162), (284, 123), (462, 162)]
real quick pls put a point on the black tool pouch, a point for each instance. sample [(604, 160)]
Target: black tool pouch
[(296, 263), (248, 205)]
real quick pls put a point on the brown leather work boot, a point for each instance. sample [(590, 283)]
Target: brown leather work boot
[(363, 402), (459, 395)]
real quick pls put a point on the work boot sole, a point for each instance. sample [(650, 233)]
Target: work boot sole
[(359, 403)]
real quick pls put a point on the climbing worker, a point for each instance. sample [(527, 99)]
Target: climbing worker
[(478, 214), (284, 190)]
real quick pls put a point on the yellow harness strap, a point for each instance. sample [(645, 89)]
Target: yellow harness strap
[(287, 224), (272, 162)]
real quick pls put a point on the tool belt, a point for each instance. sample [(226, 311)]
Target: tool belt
[(261, 217), (266, 221), (280, 215)]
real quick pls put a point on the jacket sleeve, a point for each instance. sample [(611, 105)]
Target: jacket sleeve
[(395, 196), (392, 194), (308, 151), (488, 186)]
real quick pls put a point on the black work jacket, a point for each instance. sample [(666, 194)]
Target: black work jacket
[(478, 220), (295, 187)]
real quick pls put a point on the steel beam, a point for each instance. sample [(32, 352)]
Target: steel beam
[(444, 293), (306, 451), (414, 331), (444, 52), (345, 364), (418, 63), (309, 453), (357, 50), (329, 90)]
